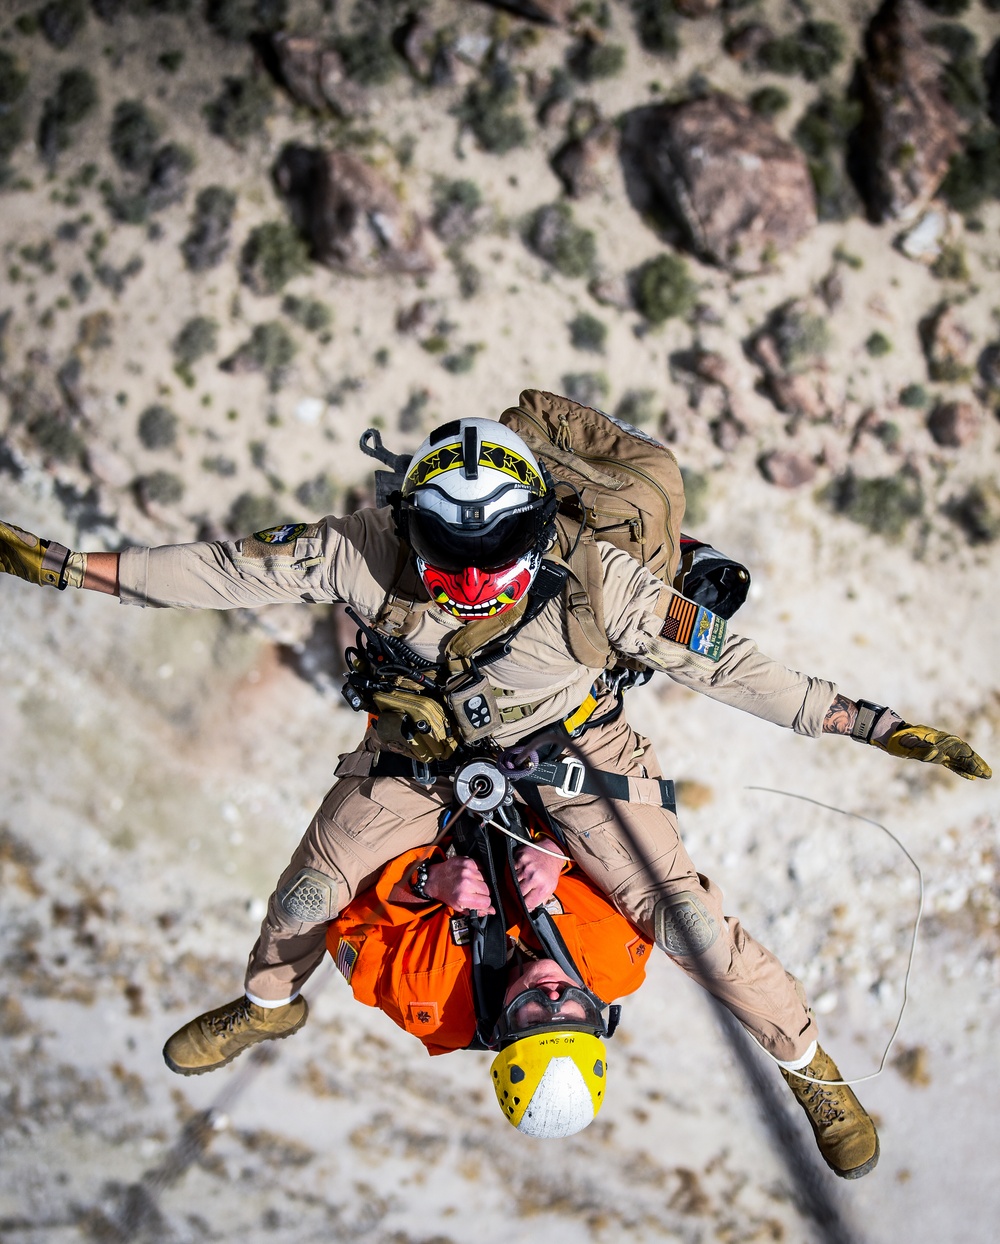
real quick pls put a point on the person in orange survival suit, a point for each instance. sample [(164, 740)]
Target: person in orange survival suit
[(403, 947)]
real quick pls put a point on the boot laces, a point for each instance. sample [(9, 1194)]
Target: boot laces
[(823, 1105), (232, 1017)]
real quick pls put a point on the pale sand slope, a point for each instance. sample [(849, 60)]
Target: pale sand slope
[(161, 766)]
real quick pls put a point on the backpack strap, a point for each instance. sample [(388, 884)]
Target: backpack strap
[(405, 600), (583, 594)]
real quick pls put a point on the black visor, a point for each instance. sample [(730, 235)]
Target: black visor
[(486, 546)]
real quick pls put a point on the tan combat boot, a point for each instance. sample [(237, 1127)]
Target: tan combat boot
[(845, 1134), (215, 1038)]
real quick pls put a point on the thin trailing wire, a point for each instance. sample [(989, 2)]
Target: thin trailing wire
[(913, 936)]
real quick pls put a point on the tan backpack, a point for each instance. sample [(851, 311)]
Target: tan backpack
[(631, 495)]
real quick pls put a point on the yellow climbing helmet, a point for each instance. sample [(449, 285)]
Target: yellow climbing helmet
[(550, 1083)]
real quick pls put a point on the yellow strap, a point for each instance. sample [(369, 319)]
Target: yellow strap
[(582, 714)]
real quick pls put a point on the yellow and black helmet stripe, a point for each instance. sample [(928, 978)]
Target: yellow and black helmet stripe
[(444, 458)]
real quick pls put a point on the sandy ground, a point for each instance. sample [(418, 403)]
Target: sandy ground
[(157, 768)]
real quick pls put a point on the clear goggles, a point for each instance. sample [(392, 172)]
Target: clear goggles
[(534, 1010)]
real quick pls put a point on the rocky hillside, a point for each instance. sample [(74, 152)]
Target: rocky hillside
[(235, 234)]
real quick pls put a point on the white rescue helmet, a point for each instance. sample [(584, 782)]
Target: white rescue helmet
[(476, 508)]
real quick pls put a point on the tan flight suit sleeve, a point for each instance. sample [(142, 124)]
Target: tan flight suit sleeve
[(635, 604), (315, 563)]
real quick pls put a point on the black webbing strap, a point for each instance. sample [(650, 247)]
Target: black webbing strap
[(571, 777), (489, 933), (544, 927)]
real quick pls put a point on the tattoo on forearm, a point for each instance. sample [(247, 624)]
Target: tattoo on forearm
[(840, 716)]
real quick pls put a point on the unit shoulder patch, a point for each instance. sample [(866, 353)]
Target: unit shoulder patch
[(695, 627), (284, 533)]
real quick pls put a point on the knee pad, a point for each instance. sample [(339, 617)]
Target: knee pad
[(683, 925), (310, 897)]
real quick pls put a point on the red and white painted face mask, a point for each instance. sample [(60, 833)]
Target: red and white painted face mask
[(471, 593)]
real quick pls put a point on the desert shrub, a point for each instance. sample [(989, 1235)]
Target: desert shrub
[(663, 288), (80, 285), (587, 332), (878, 345), (885, 505), (964, 87), (160, 488), (55, 436), (219, 464), (198, 337), (555, 237), (240, 110), (309, 313), (269, 349), (638, 406), (165, 184), (455, 206), (318, 495), (462, 360), (253, 513), (769, 101), (62, 20), (946, 8), (958, 41), (812, 51), (696, 489), (13, 79), (238, 19), (134, 135), (171, 60), (973, 176), (157, 427), (656, 26), (75, 97), (914, 396), (590, 60), (487, 110), (951, 264), (272, 255), (586, 387), (800, 336), (978, 512), (208, 238), (368, 55), (823, 132)]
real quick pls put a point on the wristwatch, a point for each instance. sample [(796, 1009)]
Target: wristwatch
[(418, 880)]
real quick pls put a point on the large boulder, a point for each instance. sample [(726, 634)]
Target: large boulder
[(739, 191), (909, 130), (350, 215)]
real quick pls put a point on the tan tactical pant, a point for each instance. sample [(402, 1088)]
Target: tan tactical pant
[(632, 852)]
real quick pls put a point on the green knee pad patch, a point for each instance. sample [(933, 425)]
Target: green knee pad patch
[(683, 925)]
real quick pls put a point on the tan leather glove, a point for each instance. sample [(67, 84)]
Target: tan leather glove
[(26, 556), (935, 747)]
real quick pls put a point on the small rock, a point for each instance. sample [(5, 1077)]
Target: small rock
[(831, 289), (418, 44), (785, 469), (612, 290), (954, 424), (350, 214), (740, 191), (417, 316), (925, 240), (989, 365), (745, 42), (948, 345), (912, 1065), (585, 164), (910, 131), (798, 395), (727, 431), (549, 12), (707, 365)]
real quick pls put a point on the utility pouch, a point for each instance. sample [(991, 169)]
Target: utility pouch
[(473, 706), (413, 725)]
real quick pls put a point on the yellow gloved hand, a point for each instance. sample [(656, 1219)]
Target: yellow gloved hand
[(26, 556), (937, 748)]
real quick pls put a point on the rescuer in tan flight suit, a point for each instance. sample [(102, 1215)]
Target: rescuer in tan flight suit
[(451, 569)]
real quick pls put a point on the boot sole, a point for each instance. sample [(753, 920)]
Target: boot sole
[(864, 1169), (200, 1071)]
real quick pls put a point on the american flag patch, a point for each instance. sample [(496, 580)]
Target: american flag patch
[(347, 957), (679, 622), (695, 627)]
